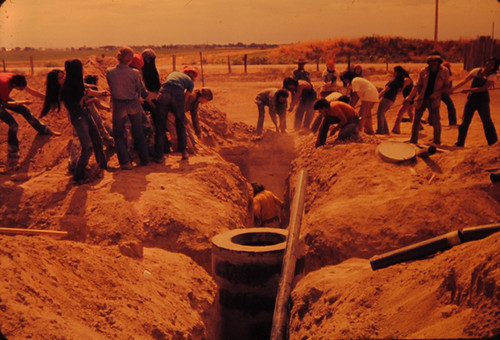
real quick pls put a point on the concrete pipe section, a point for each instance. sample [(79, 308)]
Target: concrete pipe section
[(246, 264)]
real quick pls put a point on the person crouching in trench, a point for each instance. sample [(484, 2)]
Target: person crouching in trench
[(266, 207)]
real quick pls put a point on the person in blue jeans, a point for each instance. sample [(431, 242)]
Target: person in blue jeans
[(8, 82), (74, 94), (479, 100), (388, 96), (303, 98), (432, 82), (126, 86), (276, 100), (173, 96)]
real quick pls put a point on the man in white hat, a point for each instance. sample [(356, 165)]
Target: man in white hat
[(432, 82)]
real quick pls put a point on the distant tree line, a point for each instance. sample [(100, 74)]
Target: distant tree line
[(371, 49), (181, 47)]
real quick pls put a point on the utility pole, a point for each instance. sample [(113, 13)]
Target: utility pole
[(436, 23)]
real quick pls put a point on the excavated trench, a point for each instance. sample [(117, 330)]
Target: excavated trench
[(265, 161), (246, 263)]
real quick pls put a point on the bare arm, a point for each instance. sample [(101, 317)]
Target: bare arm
[(354, 99), (483, 88), (151, 96), (98, 104), (462, 82), (13, 103), (96, 93), (296, 98), (383, 91), (412, 94), (34, 92)]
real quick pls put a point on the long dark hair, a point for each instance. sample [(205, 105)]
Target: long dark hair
[(150, 75), (73, 88), (52, 93), (496, 64), (401, 74)]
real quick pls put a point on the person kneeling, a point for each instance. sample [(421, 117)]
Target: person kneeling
[(336, 112)]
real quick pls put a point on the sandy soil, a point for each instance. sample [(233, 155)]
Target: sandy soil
[(357, 206)]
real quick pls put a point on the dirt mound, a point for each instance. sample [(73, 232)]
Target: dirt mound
[(66, 290), (178, 206), (158, 204), (452, 295), (357, 205)]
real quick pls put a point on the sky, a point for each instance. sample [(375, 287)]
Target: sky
[(77, 23)]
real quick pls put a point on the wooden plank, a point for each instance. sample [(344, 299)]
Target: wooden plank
[(281, 312), (22, 231)]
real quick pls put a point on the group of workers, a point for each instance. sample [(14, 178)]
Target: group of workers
[(141, 103), (134, 89), (337, 105)]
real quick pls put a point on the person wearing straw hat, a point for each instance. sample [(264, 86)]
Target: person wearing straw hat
[(300, 73), (432, 82)]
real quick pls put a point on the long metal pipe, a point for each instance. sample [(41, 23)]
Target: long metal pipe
[(479, 232), (495, 178), (424, 153), (416, 251), (281, 312), (433, 245)]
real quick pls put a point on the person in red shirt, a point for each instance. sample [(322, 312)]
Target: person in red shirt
[(8, 82), (336, 112)]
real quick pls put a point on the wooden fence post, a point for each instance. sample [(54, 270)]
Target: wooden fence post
[(32, 66), (201, 64), (173, 61), (4, 68), (229, 64), (245, 59)]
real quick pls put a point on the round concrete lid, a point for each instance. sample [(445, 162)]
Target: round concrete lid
[(391, 151)]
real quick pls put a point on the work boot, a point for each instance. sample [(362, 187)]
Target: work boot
[(126, 166)]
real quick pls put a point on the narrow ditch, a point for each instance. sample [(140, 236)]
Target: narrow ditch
[(265, 161), (248, 275)]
